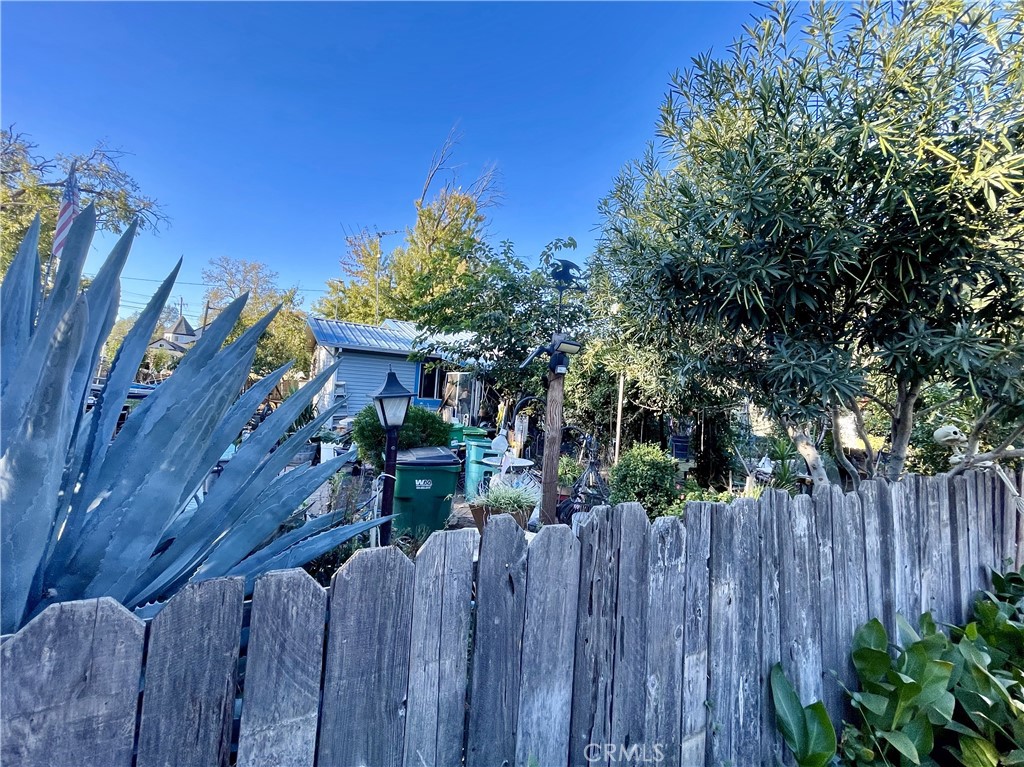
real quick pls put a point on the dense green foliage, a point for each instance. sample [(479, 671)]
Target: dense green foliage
[(87, 510), (837, 198), (931, 698), (422, 428), (645, 474), (498, 310)]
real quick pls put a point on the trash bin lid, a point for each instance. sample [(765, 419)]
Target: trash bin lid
[(427, 456)]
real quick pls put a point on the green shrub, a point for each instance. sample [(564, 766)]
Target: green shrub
[(569, 470), (422, 428), (645, 474)]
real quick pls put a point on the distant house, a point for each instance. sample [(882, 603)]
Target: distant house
[(367, 352), (177, 340)]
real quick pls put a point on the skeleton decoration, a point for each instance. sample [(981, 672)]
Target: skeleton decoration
[(951, 437)]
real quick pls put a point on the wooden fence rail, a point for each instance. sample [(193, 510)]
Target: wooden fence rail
[(618, 643)]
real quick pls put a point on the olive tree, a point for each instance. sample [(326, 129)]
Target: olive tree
[(838, 199)]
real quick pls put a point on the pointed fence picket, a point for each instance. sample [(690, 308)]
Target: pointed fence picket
[(620, 643)]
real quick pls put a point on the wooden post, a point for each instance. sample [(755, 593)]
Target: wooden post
[(552, 449), (618, 420)]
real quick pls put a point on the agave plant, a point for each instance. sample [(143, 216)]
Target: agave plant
[(87, 513)]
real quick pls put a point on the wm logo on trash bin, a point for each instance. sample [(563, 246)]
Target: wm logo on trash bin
[(424, 484)]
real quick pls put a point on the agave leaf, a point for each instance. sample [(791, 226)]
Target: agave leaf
[(131, 499), (102, 297), (96, 428), (255, 451), (28, 369), (32, 467), (282, 542), (271, 509), (67, 283), (227, 502), (307, 548), (229, 428), (19, 300)]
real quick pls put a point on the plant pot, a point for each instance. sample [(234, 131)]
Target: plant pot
[(481, 514), (564, 492)]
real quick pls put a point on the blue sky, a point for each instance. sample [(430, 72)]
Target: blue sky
[(268, 130)]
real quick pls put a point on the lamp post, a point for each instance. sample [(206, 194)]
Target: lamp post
[(392, 403)]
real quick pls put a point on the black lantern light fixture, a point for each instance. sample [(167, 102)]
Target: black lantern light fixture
[(392, 403)]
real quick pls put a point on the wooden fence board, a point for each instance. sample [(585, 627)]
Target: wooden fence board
[(832, 654), (666, 620), (986, 529), (937, 554), (851, 577), (497, 644), (693, 725), (188, 700), (366, 674), (438, 656), (735, 679), (1018, 559), (907, 535), (282, 671), (876, 509), (1010, 521), (630, 670), (595, 636), (771, 504), (549, 638), (71, 687), (800, 610), (960, 521)]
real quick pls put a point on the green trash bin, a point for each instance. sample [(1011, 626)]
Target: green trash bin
[(455, 433), (425, 481), (477, 448)]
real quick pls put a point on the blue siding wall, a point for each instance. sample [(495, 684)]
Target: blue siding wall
[(364, 373)]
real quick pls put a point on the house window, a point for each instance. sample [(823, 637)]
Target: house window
[(432, 377)]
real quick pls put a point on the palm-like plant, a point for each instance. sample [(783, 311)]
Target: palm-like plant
[(87, 513)]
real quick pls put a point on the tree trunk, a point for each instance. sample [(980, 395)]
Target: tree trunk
[(809, 452), (902, 426), (837, 444)]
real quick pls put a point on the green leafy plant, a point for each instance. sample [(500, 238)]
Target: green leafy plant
[(506, 499), (85, 512), (646, 474), (807, 730), (929, 698), (569, 470), (422, 428), (691, 491)]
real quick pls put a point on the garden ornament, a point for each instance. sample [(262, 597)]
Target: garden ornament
[(951, 436)]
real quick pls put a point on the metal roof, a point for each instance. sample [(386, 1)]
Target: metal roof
[(392, 337), (359, 337)]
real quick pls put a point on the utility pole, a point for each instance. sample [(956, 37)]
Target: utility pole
[(552, 448)]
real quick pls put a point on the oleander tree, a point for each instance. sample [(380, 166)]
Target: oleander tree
[(832, 214)]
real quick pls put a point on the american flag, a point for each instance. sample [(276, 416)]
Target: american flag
[(68, 211)]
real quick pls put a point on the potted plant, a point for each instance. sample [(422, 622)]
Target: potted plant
[(504, 499), (569, 470)]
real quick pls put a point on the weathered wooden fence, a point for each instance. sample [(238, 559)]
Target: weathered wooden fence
[(622, 643)]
